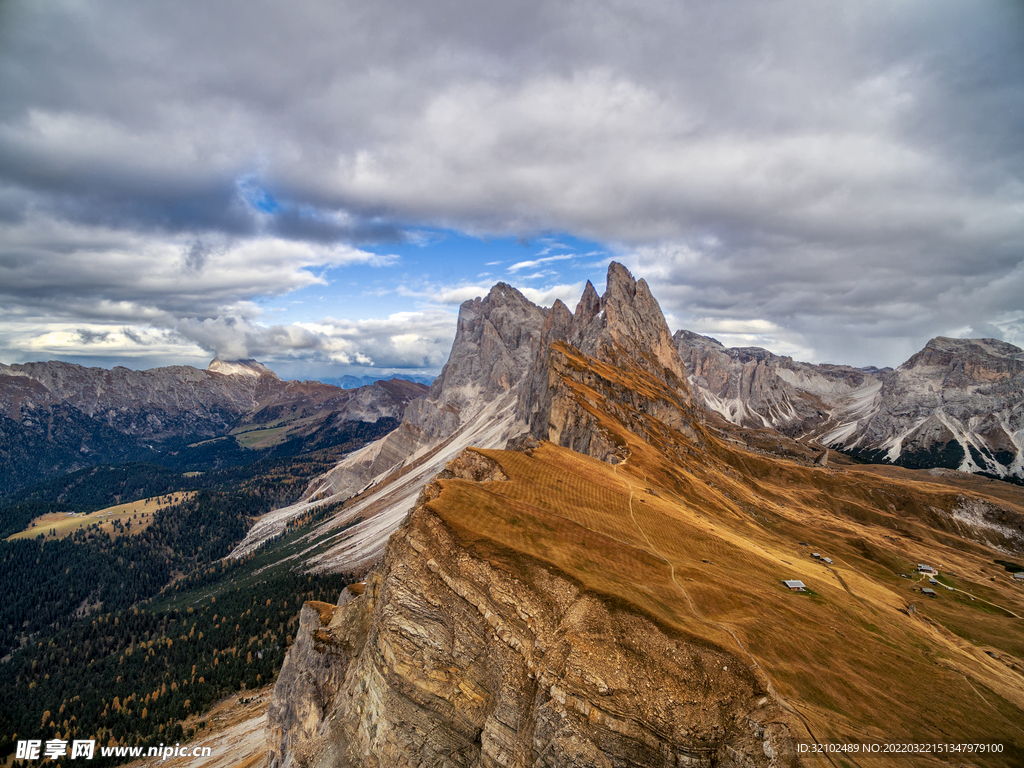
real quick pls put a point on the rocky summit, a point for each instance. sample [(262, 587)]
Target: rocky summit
[(613, 577), (956, 404)]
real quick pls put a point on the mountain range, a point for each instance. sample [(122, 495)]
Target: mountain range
[(956, 404), (57, 417), (571, 561), (592, 542), (352, 382)]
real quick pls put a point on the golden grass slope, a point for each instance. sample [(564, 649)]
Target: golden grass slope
[(700, 539), (59, 525)]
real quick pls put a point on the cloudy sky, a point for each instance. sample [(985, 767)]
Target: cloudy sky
[(320, 184)]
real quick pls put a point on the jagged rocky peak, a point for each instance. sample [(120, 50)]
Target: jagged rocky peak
[(955, 404), (624, 329), (247, 367), (494, 343), (628, 317), (472, 402), (589, 306)]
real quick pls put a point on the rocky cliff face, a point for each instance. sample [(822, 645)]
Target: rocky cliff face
[(752, 387), (626, 331), (472, 402), (495, 343), (956, 404), (450, 660)]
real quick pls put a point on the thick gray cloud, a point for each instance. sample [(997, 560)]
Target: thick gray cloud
[(837, 180)]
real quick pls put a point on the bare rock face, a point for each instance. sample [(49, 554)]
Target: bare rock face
[(302, 695), (495, 344), (956, 404), (494, 347), (626, 330), (752, 387), (448, 660), (628, 322)]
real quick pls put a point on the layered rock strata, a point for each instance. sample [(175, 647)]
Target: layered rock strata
[(616, 349), (448, 659), (955, 404)]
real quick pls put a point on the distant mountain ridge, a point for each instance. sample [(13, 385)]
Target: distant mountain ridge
[(957, 404), (352, 382), (57, 417)]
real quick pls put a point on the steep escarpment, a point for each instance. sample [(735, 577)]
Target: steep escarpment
[(613, 355), (495, 343), (577, 380), (546, 608), (452, 658)]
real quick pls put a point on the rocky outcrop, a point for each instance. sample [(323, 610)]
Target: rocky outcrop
[(955, 404), (642, 376), (307, 685), (449, 660), (495, 345), (496, 341)]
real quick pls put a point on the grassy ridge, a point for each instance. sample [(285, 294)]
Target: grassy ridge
[(845, 655)]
